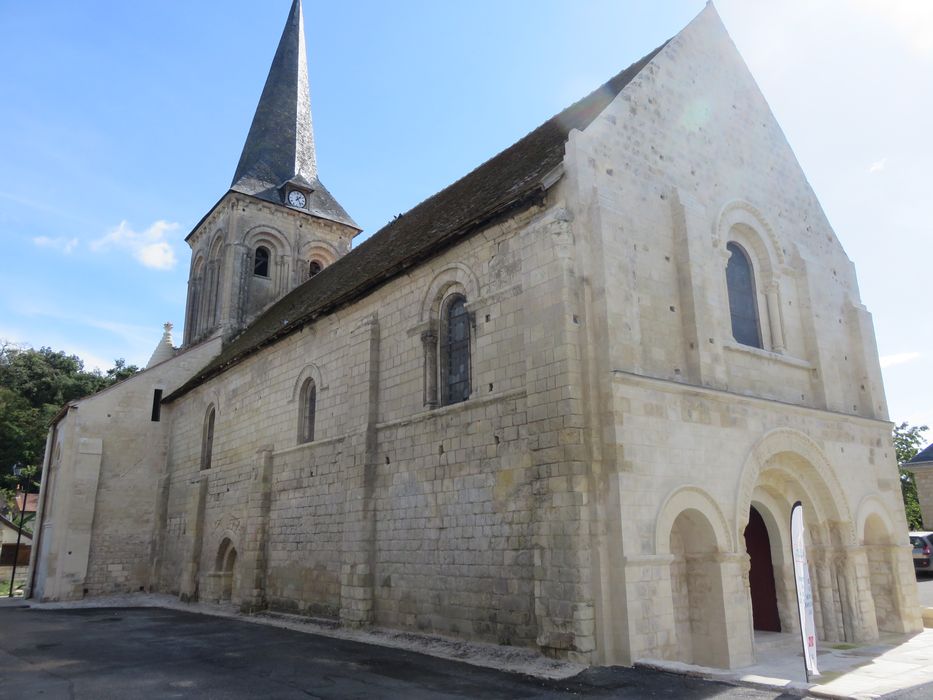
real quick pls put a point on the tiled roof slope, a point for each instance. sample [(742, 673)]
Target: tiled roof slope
[(509, 179), (923, 456)]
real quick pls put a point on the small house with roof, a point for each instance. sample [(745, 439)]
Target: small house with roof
[(921, 466), (10, 553)]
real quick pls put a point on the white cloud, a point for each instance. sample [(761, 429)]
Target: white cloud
[(159, 256), (149, 247), (877, 166), (63, 245), (91, 361), (899, 358)]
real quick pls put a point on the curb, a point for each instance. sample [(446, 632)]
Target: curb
[(750, 681), (927, 615)]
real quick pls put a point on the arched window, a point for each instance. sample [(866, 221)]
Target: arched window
[(207, 439), (261, 262), (306, 411), (743, 304), (455, 351), (314, 267)]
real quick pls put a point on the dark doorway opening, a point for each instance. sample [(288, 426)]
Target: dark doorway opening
[(761, 576)]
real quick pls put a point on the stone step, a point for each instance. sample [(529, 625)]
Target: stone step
[(326, 622), (769, 642)]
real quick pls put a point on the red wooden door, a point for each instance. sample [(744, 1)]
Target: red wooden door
[(761, 575)]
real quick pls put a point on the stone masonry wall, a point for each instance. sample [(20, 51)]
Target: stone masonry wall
[(100, 494), (450, 492), (686, 159)]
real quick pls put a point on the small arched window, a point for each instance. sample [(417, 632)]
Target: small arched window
[(314, 267), (306, 411), (743, 304), (455, 351), (261, 262), (207, 439)]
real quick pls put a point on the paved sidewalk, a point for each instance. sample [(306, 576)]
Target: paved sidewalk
[(893, 664)]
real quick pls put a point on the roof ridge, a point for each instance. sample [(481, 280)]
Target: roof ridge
[(646, 58), (507, 178)]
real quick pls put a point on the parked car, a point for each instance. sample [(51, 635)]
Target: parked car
[(923, 550)]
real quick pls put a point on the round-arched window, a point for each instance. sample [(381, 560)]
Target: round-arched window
[(261, 262), (455, 351), (743, 305)]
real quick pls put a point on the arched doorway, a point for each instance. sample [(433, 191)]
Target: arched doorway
[(697, 592), (226, 561), (788, 466), (761, 574)]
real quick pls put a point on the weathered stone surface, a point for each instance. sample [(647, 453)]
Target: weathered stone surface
[(591, 495)]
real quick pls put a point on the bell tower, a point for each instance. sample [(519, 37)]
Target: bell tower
[(277, 225)]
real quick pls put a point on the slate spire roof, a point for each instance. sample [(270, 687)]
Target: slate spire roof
[(279, 149)]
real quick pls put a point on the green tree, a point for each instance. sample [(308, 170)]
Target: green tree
[(34, 385), (120, 371), (908, 439)]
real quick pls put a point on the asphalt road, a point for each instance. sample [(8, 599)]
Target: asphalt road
[(156, 653)]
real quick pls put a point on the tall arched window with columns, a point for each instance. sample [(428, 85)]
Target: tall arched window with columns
[(448, 332), (455, 351), (743, 300)]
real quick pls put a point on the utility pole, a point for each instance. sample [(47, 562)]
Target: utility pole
[(18, 472)]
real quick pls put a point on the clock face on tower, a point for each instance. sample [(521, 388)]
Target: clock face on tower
[(296, 199)]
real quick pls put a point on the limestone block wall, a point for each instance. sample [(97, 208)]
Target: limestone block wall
[(453, 530), (399, 513), (223, 292), (100, 483), (715, 453), (306, 529), (685, 160), (69, 481)]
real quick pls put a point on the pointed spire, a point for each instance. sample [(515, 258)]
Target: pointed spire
[(279, 148), (165, 350), (280, 145)]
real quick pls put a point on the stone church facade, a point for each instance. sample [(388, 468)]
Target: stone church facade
[(565, 403)]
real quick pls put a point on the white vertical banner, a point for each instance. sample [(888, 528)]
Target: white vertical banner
[(804, 590)]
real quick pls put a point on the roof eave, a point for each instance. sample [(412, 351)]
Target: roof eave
[(529, 197), (204, 218)]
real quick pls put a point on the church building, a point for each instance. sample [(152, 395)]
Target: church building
[(566, 403)]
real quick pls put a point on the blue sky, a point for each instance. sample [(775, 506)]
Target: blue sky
[(121, 125)]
